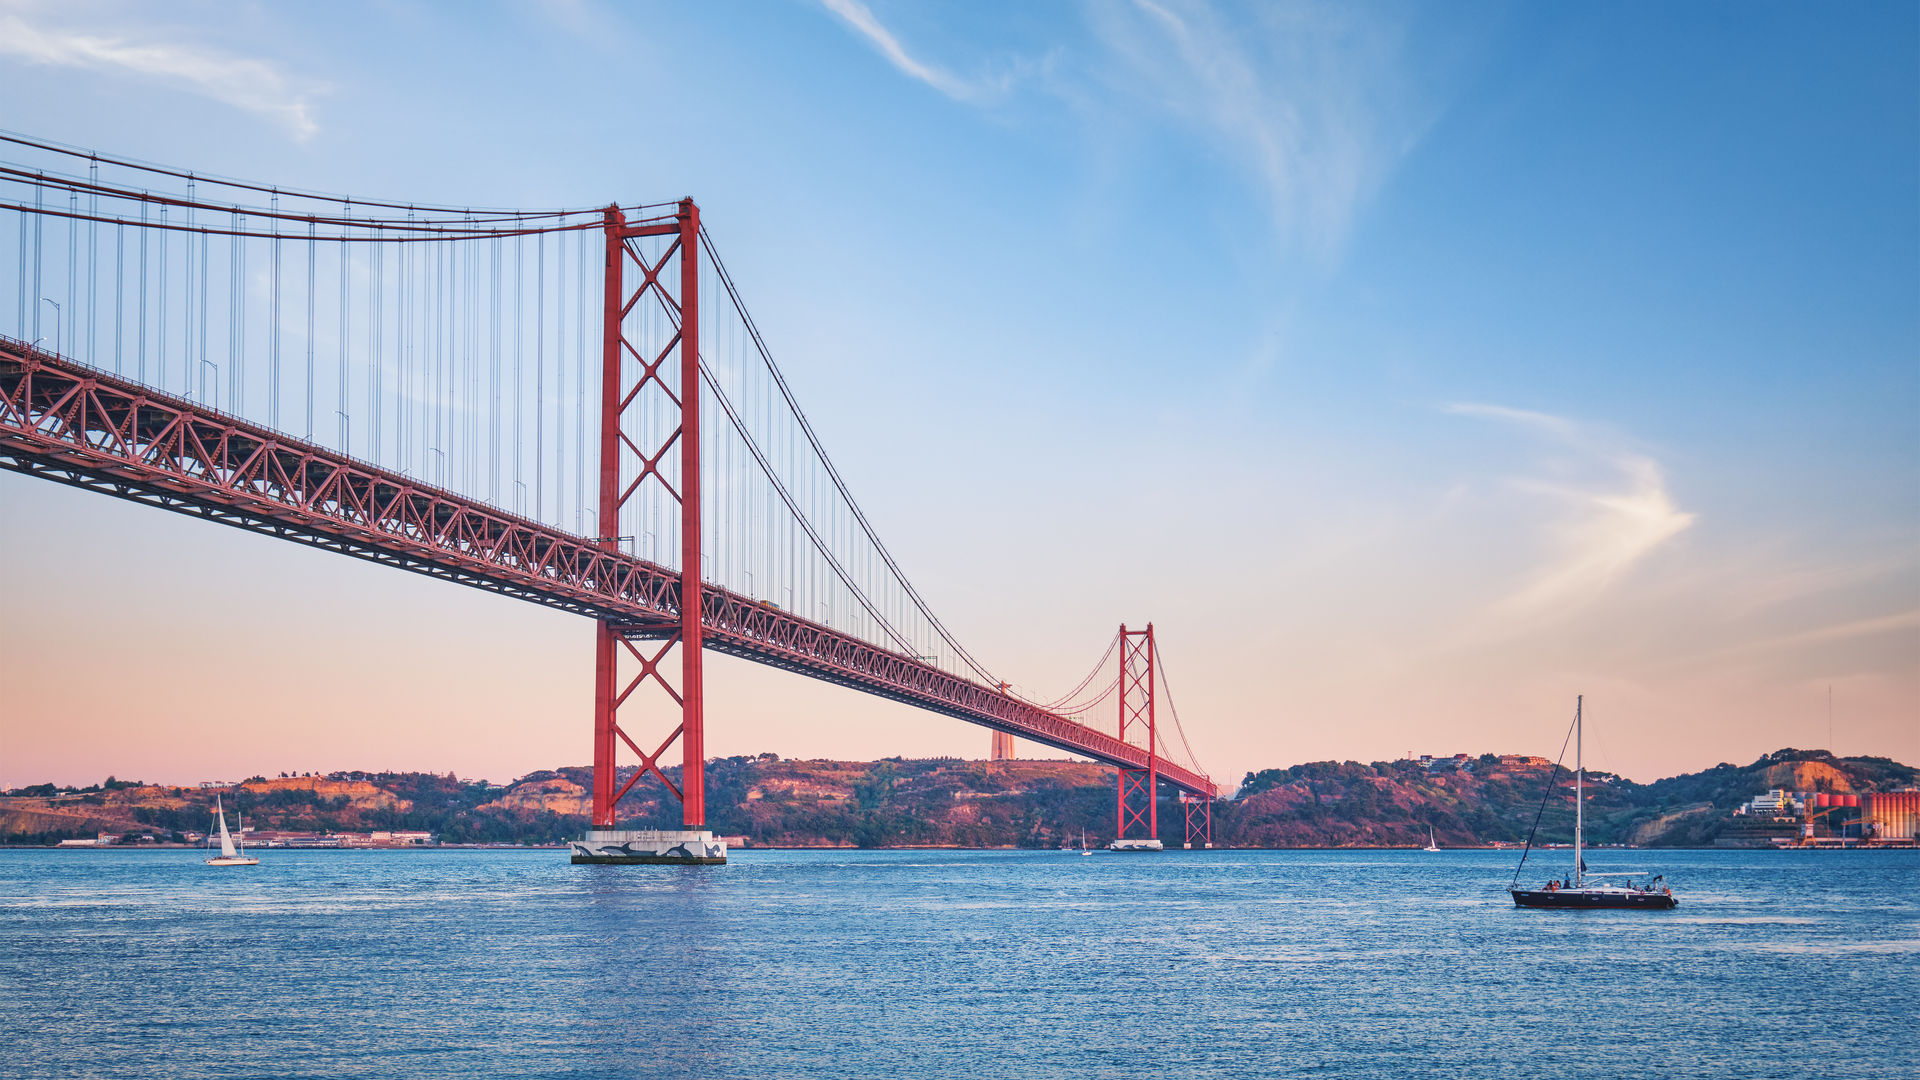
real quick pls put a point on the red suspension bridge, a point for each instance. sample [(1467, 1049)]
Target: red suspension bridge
[(572, 407)]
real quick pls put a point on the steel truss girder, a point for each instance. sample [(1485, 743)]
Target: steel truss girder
[(90, 429)]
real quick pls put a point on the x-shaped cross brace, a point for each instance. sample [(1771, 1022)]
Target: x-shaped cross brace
[(649, 669)]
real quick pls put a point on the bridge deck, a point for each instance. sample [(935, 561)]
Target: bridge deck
[(72, 424)]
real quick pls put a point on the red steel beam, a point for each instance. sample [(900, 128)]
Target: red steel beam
[(69, 423), (692, 623), (605, 654)]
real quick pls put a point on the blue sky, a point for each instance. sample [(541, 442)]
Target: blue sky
[(1413, 367)]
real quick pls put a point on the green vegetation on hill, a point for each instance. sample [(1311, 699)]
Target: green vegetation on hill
[(1337, 804), (950, 802), (893, 802), (1493, 798)]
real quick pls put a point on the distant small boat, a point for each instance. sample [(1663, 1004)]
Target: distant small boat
[(1432, 845), (1083, 843), (1573, 890), (229, 855)]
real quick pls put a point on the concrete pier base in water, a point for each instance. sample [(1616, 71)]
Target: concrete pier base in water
[(629, 847)]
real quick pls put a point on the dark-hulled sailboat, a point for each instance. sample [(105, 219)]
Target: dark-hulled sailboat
[(1574, 891)]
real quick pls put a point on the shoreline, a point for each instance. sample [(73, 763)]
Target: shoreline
[(428, 848)]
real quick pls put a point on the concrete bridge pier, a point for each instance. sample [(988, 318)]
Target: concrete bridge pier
[(629, 847)]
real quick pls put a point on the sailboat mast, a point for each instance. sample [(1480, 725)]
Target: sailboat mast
[(1579, 792)]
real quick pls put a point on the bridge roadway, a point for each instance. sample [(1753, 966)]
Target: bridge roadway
[(67, 422)]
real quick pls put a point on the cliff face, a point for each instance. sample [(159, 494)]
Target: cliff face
[(949, 802), (1808, 776), (360, 795), (32, 820), (551, 795)]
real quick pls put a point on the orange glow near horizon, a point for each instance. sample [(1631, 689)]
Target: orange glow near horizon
[(189, 652)]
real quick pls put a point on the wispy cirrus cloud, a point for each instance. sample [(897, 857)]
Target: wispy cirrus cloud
[(1615, 514), (1317, 102), (253, 85), (862, 19)]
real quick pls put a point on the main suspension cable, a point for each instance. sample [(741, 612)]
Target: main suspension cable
[(49, 146), (833, 474)]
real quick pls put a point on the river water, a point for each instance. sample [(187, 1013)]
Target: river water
[(950, 964)]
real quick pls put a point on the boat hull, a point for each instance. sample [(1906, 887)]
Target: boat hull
[(1580, 899), (235, 861)]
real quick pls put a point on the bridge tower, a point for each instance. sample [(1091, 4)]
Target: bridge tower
[(1199, 810), (631, 656), (1138, 805)]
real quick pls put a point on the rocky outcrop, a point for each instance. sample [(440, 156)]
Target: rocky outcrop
[(30, 820), (360, 794), (1808, 776), (552, 795)]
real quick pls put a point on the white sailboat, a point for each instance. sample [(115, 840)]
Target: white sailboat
[(1432, 844), (229, 855)]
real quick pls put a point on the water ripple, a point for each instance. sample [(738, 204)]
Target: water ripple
[(977, 964)]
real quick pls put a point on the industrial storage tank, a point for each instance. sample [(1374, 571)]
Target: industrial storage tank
[(1894, 815)]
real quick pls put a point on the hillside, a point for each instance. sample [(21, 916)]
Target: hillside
[(950, 802), (941, 802), (1497, 798)]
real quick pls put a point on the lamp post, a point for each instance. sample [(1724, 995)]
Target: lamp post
[(56, 322)]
